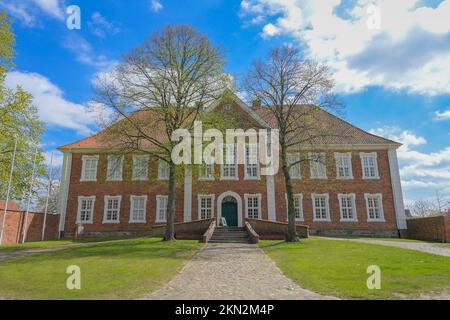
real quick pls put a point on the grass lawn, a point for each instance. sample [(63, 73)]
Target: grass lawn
[(338, 268), (121, 270), (48, 244)]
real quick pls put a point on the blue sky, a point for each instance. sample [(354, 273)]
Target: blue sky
[(391, 61)]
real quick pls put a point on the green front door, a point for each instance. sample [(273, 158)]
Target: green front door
[(229, 212)]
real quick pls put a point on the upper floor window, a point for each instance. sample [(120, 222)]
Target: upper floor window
[(321, 207), (229, 167), (85, 209), (89, 168), (251, 161), (347, 206), (253, 206), (138, 209), (318, 165), (205, 206), (163, 170), (369, 165), (161, 208), (298, 207), (140, 167), (343, 165), (206, 172), (374, 205), (293, 160), (115, 165), (112, 209)]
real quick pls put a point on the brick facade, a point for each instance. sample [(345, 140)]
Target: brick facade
[(430, 228), (239, 188)]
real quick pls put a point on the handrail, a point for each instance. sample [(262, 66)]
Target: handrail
[(209, 232), (254, 237)]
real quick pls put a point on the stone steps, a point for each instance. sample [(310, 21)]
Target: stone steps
[(230, 235)]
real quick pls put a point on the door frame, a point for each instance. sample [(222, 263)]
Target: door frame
[(239, 206)]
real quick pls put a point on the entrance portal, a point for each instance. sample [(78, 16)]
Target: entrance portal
[(230, 211)]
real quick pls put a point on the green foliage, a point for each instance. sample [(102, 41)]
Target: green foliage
[(18, 120)]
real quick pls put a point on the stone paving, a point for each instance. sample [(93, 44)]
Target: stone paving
[(232, 271)]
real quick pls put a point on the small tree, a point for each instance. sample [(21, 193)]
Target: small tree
[(167, 80), (292, 89)]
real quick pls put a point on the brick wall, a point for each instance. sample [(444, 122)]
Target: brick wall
[(429, 228), (15, 222), (269, 230)]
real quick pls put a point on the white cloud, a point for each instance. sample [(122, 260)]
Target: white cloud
[(410, 52), (445, 115), (53, 108), (84, 52), (156, 5), (419, 170), (28, 11), (100, 26)]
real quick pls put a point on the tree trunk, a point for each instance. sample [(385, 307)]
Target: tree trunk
[(170, 228), (291, 235)]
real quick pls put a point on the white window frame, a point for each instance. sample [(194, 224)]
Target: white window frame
[(300, 197), (132, 208), (201, 172), (327, 207), (199, 201), (84, 159), (80, 199), (236, 167), (348, 157), (109, 168), (247, 196), (248, 155), (341, 209), (159, 198), (374, 155), (313, 163), (105, 210), (163, 170), (136, 160), (380, 198), (292, 158)]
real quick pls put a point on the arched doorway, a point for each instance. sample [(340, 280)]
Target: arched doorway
[(229, 206)]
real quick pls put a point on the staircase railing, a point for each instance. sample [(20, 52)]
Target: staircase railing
[(209, 233)]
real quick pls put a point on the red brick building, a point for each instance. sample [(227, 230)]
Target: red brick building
[(354, 190)]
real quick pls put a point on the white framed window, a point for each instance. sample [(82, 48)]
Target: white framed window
[(138, 209), (298, 207), (293, 160), (229, 167), (253, 206), (321, 207), (206, 172), (205, 206), (89, 168), (347, 207), (251, 162), (369, 165), (343, 165), (85, 210), (140, 167), (318, 166), (374, 205), (112, 209), (115, 168), (163, 170), (161, 208)]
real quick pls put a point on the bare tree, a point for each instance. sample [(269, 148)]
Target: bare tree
[(159, 87), (292, 89)]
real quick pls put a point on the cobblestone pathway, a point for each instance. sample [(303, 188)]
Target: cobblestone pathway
[(232, 271)]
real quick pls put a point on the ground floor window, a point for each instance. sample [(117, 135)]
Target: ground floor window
[(253, 206), (161, 208), (112, 209), (85, 209), (374, 204), (138, 209), (321, 207), (347, 207), (205, 206)]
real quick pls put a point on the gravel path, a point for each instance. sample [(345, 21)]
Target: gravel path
[(232, 271), (432, 248)]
